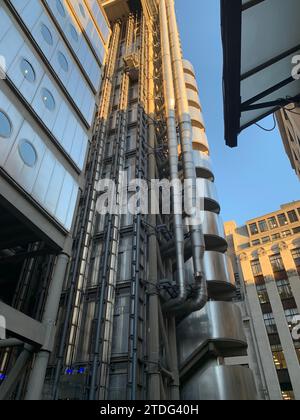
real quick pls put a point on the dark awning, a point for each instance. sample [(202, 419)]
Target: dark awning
[(260, 39)]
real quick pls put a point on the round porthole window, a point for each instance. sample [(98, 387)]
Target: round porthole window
[(5, 125), (60, 8), (63, 61), (48, 99), (27, 70), (74, 33), (82, 11), (46, 34), (27, 153)]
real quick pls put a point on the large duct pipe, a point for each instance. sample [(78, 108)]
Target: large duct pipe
[(173, 155), (38, 373), (197, 237)]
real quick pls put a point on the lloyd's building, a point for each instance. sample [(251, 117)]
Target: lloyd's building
[(113, 307)]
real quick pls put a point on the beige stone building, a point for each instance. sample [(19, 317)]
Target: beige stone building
[(265, 253), (288, 120)]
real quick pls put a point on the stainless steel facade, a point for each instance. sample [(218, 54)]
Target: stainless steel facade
[(144, 309)]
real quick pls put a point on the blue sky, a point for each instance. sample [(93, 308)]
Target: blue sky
[(257, 177)]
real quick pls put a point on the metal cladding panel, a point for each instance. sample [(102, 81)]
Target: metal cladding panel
[(221, 282), (202, 161), (217, 321), (200, 138), (78, 45), (190, 81), (44, 178), (99, 18), (207, 189), (212, 224), (193, 96), (88, 25), (70, 75), (221, 383), (196, 115), (60, 121), (218, 267), (189, 66)]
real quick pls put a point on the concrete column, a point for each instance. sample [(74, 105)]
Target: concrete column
[(38, 373), (281, 322), (261, 335), (290, 267)]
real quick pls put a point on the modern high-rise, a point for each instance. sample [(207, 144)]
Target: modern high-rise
[(288, 119), (265, 253), (115, 306)]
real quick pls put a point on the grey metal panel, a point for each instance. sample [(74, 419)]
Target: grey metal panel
[(218, 321), (190, 80), (202, 161), (217, 267), (26, 328), (100, 19), (62, 116), (16, 120), (189, 66), (47, 181), (89, 27), (221, 383), (207, 189), (80, 48), (219, 275), (196, 115), (121, 325), (212, 224)]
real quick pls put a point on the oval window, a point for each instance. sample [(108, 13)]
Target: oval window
[(63, 61), (5, 125), (48, 99), (46, 34), (27, 153), (60, 8), (74, 33), (82, 11), (27, 70)]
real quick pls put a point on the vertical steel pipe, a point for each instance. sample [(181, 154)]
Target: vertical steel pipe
[(38, 373)]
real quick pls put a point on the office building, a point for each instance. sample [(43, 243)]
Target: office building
[(115, 306), (265, 255)]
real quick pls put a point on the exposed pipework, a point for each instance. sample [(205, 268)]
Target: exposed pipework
[(184, 118), (173, 155), (38, 373), (104, 312)]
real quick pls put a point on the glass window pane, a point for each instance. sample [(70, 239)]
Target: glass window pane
[(74, 33), (253, 229), (27, 153), (263, 227), (282, 219), (272, 223), (48, 99), (293, 216), (27, 70), (46, 34), (63, 61), (276, 262), (60, 8), (5, 125)]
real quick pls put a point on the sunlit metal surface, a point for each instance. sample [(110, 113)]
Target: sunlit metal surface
[(221, 383), (210, 324)]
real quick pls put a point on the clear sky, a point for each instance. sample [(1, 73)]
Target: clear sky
[(257, 177)]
